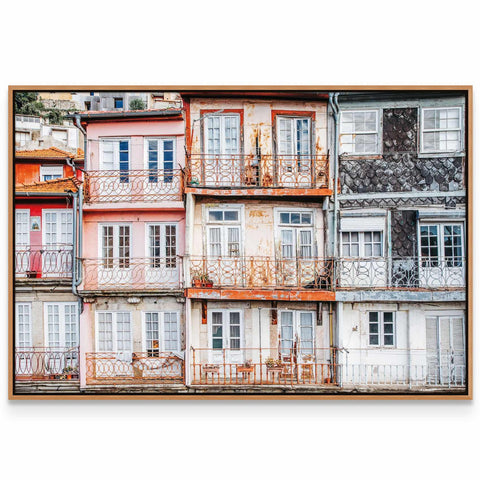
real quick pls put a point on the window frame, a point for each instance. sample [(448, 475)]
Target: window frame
[(207, 114), (378, 132), (47, 170), (362, 243), (296, 328), (115, 259), (381, 329), (24, 211), (422, 130), (152, 176), (225, 325), (114, 330), (58, 233), (62, 329), (441, 243), (224, 225), (115, 99), (116, 153), (30, 326), (294, 118), (163, 244), (161, 330)]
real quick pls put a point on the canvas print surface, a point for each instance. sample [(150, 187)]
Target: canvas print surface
[(240, 242)]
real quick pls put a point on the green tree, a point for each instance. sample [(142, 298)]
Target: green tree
[(137, 104), (28, 103)]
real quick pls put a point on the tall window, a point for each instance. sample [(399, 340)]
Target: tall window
[(58, 227), (297, 332), (381, 329), (441, 129), (296, 234), (23, 325), (441, 243), (359, 132), (115, 156), (160, 156), (61, 325), (222, 134), (162, 332), (114, 332), (162, 240), (22, 227), (362, 244), (294, 135), (224, 232), (226, 329), (116, 245)]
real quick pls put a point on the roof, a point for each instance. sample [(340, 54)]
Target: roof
[(127, 114), (58, 185), (52, 152)]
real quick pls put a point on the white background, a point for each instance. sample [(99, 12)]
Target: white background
[(217, 43)]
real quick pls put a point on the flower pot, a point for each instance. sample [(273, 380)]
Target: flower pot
[(197, 283), (69, 376), (32, 274), (208, 284), (211, 368), (242, 369)]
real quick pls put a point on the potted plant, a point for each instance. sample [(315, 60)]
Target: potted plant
[(274, 364), (194, 182), (70, 372), (246, 367), (211, 368), (202, 280)]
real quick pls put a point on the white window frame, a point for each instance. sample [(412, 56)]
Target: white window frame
[(116, 242), (293, 147), (163, 244), (227, 311), (30, 332), (114, 330), (22, 141), (423, 130), (297, 227), (63, 130), (361, 243), (224, 225), (62, 329), (378, 143), (160, 149), (59, 212), (116, 152), (296, 327), (381, 333), (441, 238), (27, 233), (161, 330), (46, 170), (222, 117)]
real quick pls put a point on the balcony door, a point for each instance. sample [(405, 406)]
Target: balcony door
[(23, 339), (162, 262), (115, 162), (114, 335), (445, 337), (160, 160), (225, 336), (115, 264), (57, 243), (296, 265), (22, 241), (294, 159), (442, 262), (222, 164)]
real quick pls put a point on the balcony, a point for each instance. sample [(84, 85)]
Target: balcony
[(44, 262), (146, 186), (42, 363), (134, 368), (426, 273), (252, 175), (264, 366), (262, 278), (132, 274)]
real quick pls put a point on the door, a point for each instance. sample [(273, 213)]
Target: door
[(160, 164), (57, 243), (294, 160), (163, 268), (24, 357), (445, 350), (22, 242), (226, 336), (61, 336), (115, 265), (222, 165), (115, 183)]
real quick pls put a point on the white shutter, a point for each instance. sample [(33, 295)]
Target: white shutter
[(362, 224)]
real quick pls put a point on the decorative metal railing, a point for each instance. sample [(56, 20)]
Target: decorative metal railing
[(402, 367), (159, 273), (261, 272), (134, 368), (44, 261), (133, 185), (250, 171), (45, 363), (264, 366), (404, 272)]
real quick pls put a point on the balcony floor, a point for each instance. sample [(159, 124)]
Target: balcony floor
[(259, 294), (260, 192)]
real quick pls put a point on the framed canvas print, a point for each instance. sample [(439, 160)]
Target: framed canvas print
[(240, 242)]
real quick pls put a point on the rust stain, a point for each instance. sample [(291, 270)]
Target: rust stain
[(257, 213), (260, 192), (257, 294)]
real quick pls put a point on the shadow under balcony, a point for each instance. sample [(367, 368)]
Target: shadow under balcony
[(135, 275), (260, 278), (265, 175), (132, 188)]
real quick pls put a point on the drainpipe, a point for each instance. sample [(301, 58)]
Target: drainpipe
[(333, 101)]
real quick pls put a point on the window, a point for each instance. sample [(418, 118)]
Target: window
[(381, 329), (362, 244), (441, 129), (296, 234), (294, 137), (50, 172), (224, 235), (115, 156), (296, 332), (115, 245), (441, 245), (226, 331), (359, 132), (22, 227), (114, 333), (58, 228), (61, 325), (222, 134), (162, 241), (60, 135), (160, 156), (21, 138), (295, 218), (162, 333), (23, 325), (118, 102)]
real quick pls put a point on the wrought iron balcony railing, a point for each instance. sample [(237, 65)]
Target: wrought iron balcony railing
[(401, 273), (250, 171), (46, 363), (261, 272), (45, 261), (134, 368), (264, 366), (110, 274), (111, 186)]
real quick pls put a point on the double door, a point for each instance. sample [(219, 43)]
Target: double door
[(57, 243), (226, 336)]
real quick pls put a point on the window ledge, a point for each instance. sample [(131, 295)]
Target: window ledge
[(441, 154), (367, 156)]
